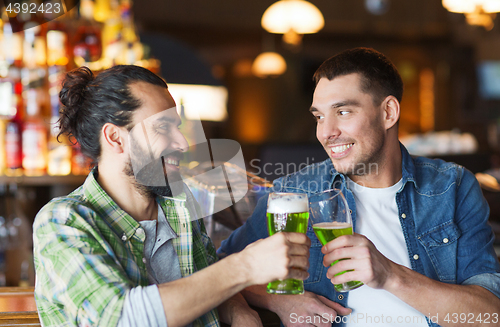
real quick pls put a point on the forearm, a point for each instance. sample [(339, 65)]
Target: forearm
[(143, 307), (237, 309), (257, 295), (434, 298), (281, 256), (186, 299)]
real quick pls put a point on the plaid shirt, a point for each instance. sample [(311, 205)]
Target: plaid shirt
[(89, 253)]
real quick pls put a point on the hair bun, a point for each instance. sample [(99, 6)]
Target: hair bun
[(73, 87), (72, 96)]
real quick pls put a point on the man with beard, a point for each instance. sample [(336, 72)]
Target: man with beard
[(422, 244), (129, 247)]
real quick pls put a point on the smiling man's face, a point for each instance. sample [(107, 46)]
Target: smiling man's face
[(349, 125), (156, 143)]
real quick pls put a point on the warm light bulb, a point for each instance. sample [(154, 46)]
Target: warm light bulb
[(470, 6), (297, 15), (269, 64)]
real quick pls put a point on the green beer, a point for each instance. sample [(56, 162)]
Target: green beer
[(287, 222), (328, 231), (287, 212)]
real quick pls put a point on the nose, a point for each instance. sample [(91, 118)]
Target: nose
[(179, 141), (328, 129)]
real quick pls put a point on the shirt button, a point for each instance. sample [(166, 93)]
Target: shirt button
[(340, 297), (124, 237), (140, 231), (403, 216), (144, 260), (415, 257), (445, 240), (184, 225)]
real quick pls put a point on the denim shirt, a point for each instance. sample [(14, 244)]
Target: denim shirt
[(442, 211)]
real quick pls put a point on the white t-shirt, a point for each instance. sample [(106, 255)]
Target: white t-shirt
[(377, 218)]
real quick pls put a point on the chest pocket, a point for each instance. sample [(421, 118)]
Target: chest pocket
[(315, 258), (440, 243)]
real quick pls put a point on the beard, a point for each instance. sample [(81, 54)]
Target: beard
[(367, 162), (154, 178)]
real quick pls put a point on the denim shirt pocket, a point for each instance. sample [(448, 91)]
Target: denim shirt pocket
[(315, 258), (440, 243)]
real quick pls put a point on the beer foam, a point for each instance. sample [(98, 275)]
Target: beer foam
[(288, 204), (332, 225)]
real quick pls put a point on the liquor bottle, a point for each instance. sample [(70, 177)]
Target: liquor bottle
[(34, 137), (87, 43), (59, 154), (3, 163), (59, 157), (57, 44), (113, 43), (13, 126), (35, 46), (102, 10), (12, 45), (2, 55), (4, 240)]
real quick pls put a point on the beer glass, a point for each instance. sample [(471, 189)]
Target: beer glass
[(330, 218), (287, 212)]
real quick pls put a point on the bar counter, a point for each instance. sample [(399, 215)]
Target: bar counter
[(17, 307)]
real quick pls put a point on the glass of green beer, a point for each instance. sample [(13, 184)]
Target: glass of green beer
[(287, 212), (330, 218)]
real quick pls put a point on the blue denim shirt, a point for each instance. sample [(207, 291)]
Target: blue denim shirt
[(442, 211)]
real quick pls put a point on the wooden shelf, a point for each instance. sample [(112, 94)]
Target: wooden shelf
[(44, 180)]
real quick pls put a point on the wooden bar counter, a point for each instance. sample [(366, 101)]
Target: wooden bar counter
[(17, 307)]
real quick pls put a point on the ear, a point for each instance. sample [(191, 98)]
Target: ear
[(113, 138), (391, 111)]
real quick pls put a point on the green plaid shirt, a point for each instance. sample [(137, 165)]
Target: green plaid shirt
[(89, 253)]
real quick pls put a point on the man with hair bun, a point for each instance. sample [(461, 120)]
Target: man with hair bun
[(422, 244), (121, 250)]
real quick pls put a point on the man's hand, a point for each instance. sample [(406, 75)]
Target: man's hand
[(296, 311), (281, 256), (369, 265)]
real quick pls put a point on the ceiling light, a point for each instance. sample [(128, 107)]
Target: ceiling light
[(269, 64), (477, 12), (293, 17)]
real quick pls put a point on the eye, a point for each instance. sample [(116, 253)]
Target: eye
[(318, 117), (163, 128), (343, 112)]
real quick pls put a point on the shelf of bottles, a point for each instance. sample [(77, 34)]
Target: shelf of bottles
[(97, 34), (33, 61)]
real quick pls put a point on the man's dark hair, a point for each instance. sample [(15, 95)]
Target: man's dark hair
[(379, 76), (89, 102)]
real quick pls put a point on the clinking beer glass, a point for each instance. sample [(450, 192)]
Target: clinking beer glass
[(287, 212), (330, 218)]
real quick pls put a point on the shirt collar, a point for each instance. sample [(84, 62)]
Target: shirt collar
[(407, 164), (116, 218)]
